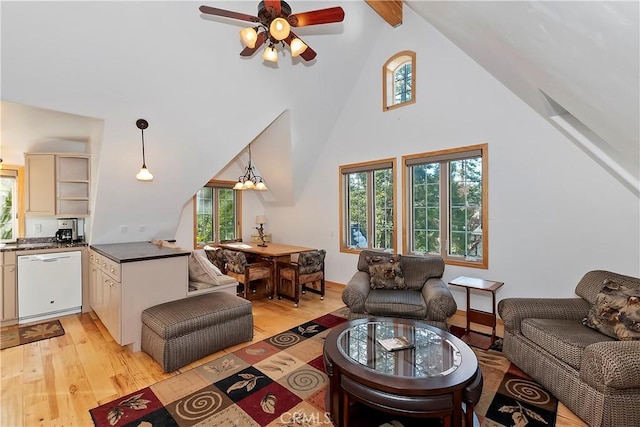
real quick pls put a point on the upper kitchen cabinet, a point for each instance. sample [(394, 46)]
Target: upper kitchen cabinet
[(57, 184)]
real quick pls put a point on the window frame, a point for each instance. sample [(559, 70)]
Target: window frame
[(446, 156), (388, 78), (217, 185), (369, 168), (18, 203)]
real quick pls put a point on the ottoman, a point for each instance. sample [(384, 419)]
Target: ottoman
[(179, 332)]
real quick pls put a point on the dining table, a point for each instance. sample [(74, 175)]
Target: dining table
[(273, 252)]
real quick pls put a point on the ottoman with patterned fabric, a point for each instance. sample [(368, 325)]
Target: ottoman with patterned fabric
[(179, 332)]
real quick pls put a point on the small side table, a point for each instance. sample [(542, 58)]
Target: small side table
[(478, 316)]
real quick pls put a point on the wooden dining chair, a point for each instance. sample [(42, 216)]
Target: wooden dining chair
[(247, 274), (301, 275)]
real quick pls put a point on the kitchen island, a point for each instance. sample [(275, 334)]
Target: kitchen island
[(127, 278)]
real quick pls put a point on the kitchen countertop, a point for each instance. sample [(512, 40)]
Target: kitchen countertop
[(137, 251), (36, 244)]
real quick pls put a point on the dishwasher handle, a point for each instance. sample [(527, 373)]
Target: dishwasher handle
[(44, 257)]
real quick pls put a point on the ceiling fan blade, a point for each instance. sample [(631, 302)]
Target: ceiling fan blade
[(308, 53), (247, 51), (274, 4), (228, 14), (315, 17)]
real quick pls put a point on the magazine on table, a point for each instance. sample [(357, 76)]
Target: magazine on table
[(396, 343)]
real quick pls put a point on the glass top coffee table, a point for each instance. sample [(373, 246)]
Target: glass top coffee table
[(433, 377)]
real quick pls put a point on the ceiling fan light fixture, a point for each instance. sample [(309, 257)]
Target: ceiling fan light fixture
[(270, 54), (297, 47), (279, 29), (249, 36)]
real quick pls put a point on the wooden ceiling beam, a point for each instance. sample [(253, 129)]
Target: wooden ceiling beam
[(389, 10)]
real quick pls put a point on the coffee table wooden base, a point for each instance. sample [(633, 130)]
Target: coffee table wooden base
[(349, 383)]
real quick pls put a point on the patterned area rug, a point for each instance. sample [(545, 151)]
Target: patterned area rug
[(280, 381), (32, 333), (458, 331)]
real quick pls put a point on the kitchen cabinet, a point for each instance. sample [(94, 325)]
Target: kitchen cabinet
[(9, 288), (57, 184), (122, 286)]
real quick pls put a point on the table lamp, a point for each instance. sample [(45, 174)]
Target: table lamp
[(261, 219)]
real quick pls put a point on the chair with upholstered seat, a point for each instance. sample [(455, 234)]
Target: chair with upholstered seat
[(306, 273), (405, 286), (247, 274)]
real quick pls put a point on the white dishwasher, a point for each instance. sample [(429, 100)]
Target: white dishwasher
[(49, 285)]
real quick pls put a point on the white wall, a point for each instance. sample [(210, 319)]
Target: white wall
[(553, 213)]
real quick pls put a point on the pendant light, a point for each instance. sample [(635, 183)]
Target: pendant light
[(144, 174)]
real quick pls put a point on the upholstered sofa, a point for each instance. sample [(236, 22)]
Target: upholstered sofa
[(415, 289), (595, 375)]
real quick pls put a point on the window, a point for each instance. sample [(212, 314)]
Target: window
[(446, 205), (217, 213), (367, 206), (398, 80), (10, 190)]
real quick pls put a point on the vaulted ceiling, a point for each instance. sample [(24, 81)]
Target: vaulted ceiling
[(575, 63)]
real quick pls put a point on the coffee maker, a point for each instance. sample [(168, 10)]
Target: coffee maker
[(67, 230)]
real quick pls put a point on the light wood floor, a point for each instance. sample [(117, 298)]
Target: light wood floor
[(55, 382)]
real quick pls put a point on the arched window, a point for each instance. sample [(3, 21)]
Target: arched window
[(398, 80)]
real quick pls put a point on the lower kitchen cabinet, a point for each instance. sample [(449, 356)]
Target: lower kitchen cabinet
[(9, 288), (120, 291)]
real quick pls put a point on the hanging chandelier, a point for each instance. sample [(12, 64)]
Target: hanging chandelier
[(250, 181)]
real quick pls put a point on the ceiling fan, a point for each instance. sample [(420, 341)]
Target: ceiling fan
[(273, 26)]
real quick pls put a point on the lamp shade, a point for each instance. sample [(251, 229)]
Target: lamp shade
[(279, 29), (144, 175), (261, 219), (261, 186), (270, 54), (249, 37), (297, 47)]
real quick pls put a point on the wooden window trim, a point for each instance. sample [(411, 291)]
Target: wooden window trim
[(388, 70), (218, 184), (452, 155), (342, 192), (20, 190)]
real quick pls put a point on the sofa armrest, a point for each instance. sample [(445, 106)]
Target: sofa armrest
[(514, 310), (356, 292), (440, 302), (613, 364)]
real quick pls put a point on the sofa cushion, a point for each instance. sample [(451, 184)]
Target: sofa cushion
[(396, 303), (564, 339), (385, 272), (201, 269), (418, 269), (616, 311)]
